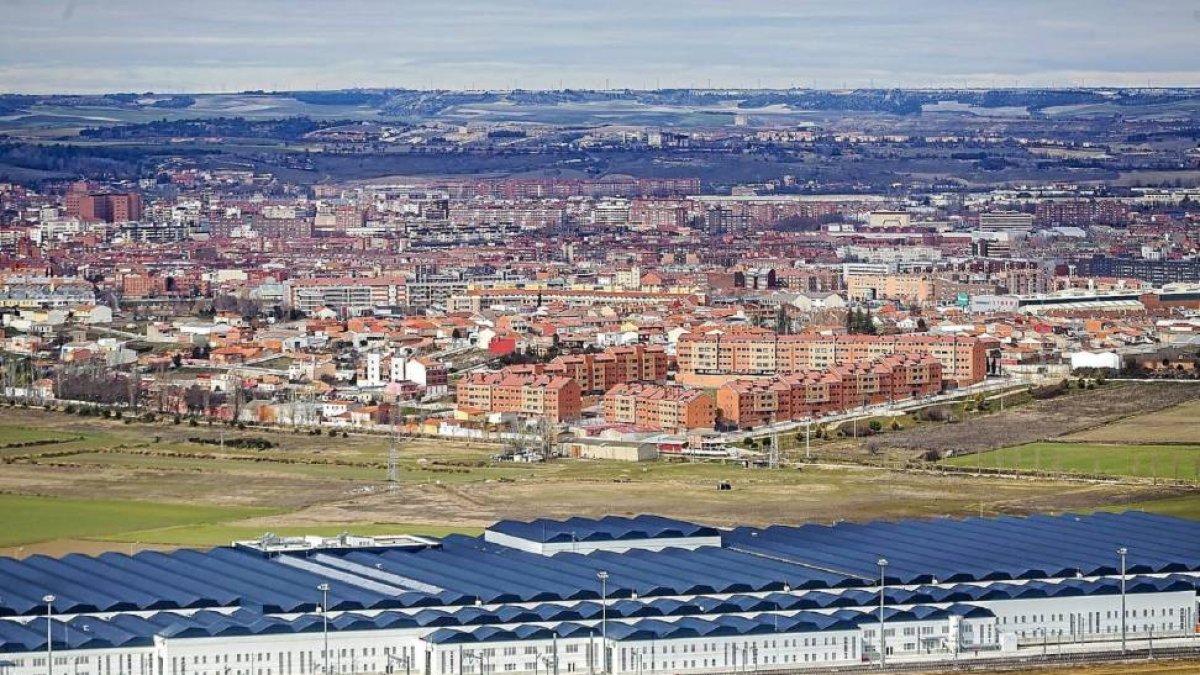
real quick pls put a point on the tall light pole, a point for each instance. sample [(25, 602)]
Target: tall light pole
[(603, 577), (49, 600), (883, 563), (324, 588), (1123, 552)]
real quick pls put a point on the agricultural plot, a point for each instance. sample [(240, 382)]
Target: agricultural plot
[(1164, 462), (109, 477), (1178, 424), (29, 519), (1078, 412)]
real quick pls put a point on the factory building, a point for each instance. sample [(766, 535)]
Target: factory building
[(614, 595)]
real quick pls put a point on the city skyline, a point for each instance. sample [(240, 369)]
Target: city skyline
[(131, 45)]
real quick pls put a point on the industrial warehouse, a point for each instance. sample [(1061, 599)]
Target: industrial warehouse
[(610, 595)]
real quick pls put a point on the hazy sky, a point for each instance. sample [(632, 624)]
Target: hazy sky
[(225, 45)]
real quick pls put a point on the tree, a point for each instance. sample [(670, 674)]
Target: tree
[(860, 322)]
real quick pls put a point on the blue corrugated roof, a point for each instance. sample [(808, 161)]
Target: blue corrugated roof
[(466, 570), (608, 528), (855, 605)]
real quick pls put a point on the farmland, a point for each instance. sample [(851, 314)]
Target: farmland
[(1173, 462), (1161, 444), (29, 518), (1078, 413), (306, 483), (1178, 424)]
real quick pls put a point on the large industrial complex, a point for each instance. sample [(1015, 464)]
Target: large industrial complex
[(613, 595)]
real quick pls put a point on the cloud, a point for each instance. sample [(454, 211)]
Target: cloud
[(96, 45)]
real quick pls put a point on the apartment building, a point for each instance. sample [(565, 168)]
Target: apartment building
[(665, 408), (908, 288), (1006, 221), (758, 351), (97, 207), (1081, 213), (428, 288), (535, 395), (615, 365), (353, 295), (30, 291), (477, 299), (747, 403)]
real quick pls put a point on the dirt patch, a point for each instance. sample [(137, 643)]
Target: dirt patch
[(1039, 420), (818, 497)]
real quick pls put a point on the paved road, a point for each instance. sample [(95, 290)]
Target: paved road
[(893, 408)]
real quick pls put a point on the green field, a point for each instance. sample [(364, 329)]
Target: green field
[(1169, 462), (31, 519), (112, 485), (1187, 506), (10, 435)]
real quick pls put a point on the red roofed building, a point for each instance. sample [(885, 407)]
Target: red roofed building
[(649, 406), (555, 398), (749, 403), (757, 351), (615, 365)]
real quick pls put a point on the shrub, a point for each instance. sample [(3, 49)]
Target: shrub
[(332, 433), (193, 423), (932, 455), (875, 426), (1049, 391), (248, 443)]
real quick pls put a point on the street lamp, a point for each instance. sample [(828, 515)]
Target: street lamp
[(603, 577), (49, 600), (1122, 552), (883, 563), (324, 588)]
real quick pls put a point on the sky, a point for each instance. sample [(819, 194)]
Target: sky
[(90, 46)]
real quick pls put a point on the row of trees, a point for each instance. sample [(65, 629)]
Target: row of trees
[(860, 321)]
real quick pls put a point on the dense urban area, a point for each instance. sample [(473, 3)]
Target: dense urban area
[(420, 364)]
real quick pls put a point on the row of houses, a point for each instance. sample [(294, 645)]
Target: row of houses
[(747, 403), (707, 357)]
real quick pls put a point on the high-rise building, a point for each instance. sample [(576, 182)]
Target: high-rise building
[(106, 208)]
